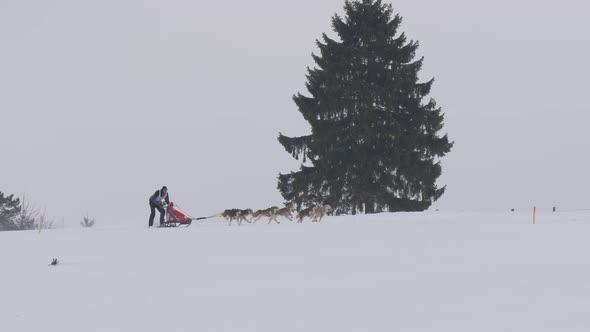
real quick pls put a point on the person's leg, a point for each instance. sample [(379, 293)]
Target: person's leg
[(162, 214), (152, 214)]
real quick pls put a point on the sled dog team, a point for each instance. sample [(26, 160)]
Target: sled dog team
[(160, 201), (273, 213)]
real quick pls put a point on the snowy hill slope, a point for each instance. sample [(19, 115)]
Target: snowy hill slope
[(390, 272)]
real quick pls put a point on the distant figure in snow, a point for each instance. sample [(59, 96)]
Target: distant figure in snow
[(157, 201)]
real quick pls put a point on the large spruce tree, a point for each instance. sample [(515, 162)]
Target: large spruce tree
[(375, 144)]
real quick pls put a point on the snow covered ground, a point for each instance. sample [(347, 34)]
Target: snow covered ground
[(435, 271)]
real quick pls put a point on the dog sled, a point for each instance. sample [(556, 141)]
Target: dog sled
[(176, 218)]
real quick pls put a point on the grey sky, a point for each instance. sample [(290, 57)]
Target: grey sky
[(102, 102)]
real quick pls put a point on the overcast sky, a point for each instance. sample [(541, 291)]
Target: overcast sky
[(103, 102)]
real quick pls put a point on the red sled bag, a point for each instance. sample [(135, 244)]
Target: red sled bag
[(175, 218), (174, 214)]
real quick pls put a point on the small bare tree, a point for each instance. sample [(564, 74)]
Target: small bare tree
[(87, 222), (25, 220), (43, 223)]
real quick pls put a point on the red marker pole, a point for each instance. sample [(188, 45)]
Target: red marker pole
[(535, 215)]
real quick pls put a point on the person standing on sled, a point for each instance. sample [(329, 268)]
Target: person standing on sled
[(157, 201)]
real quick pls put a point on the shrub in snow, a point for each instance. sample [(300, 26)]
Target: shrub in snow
[(87, 222)]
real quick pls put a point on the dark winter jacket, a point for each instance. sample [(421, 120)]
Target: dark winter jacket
[(158, 199)]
